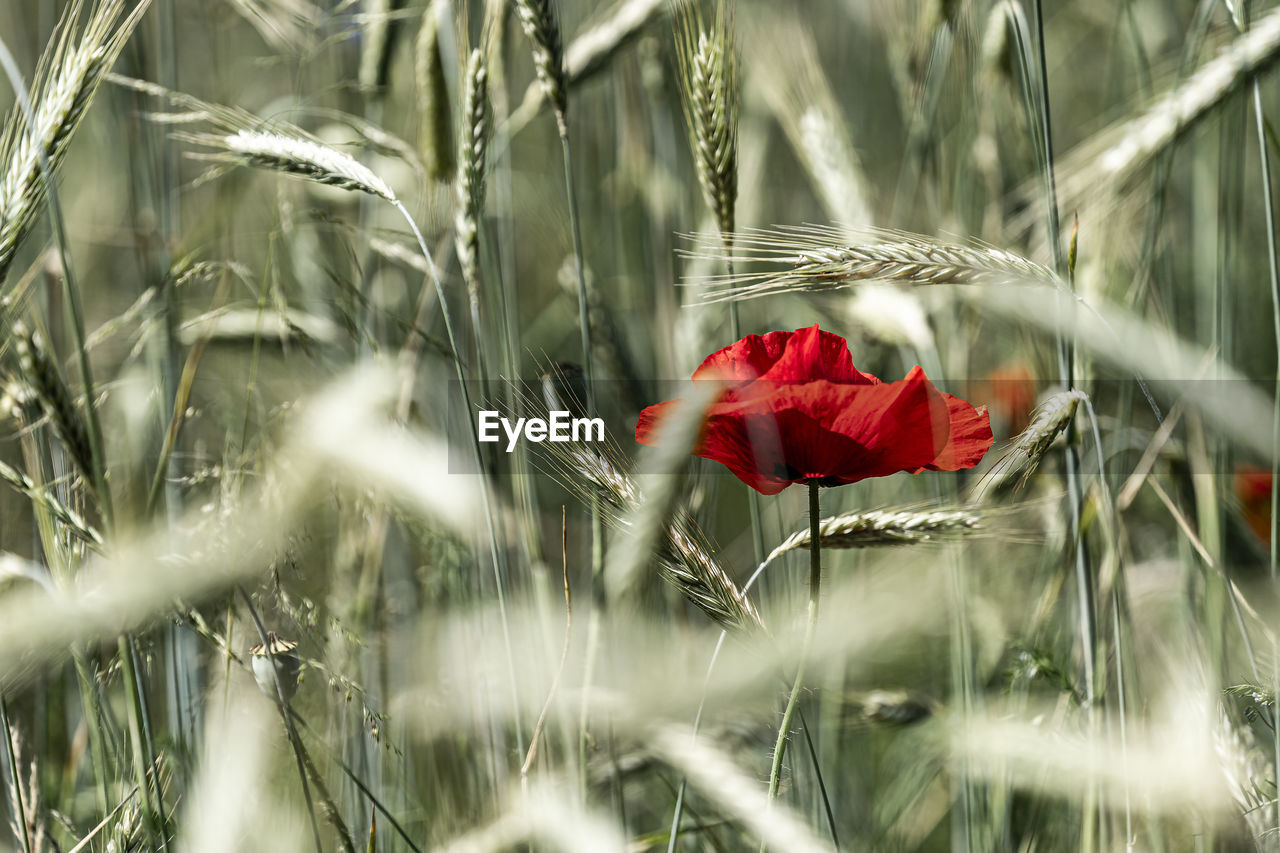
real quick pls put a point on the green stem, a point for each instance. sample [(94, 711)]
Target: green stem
[(810, 628), (20, 815), (475, 451), (597, 518), (152, 810), (71, 293), (282, 705), (584, 320), (753, 497)]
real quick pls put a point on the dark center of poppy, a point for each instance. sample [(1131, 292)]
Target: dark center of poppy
[(785, 471)]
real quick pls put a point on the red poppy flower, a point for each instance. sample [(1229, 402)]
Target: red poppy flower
[(1253, 488), (794, 409)]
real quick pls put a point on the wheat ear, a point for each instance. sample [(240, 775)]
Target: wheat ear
[(66, 80), (473, 146), (886, 527), (590, 51), (795, 86), (1028, 448), (822, 258), (298, 155), (44, 377), (70, 519), (375, 44), (685, 559), (435, 129), (538, 20), (709, 96), (1181, 107)]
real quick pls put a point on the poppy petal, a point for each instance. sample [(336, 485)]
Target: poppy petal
[(799, 356), (970, 437), (797, 410)]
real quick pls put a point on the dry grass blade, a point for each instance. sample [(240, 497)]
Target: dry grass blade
[(66, 80), (709, 95), (809, 257)]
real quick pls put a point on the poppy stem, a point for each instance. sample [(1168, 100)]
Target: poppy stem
[(811, 624)]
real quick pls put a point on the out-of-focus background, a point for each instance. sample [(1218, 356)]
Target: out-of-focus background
[(1072, 646)]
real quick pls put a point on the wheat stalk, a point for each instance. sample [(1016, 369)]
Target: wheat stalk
[(42, 374), (886, 527), (591, 50), (435, 132), (684, 558), (1178, 109), (823, 258), (66, 80), (297, 155), (538, 20), (71, 519), (709, 96), (473, 145), (1026, 450), (796, 88)]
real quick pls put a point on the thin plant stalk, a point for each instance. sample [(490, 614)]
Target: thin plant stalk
[(580, 268), (71, 293), (283, 705), (88, 691), (1066, 361), (40, 461), (1273, 271), (20, 807), (597, 518), (152, 811), (478, 458), (753, 497), (810, 628)]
